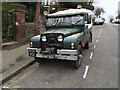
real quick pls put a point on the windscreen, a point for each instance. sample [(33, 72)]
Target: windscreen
[(65, 21)]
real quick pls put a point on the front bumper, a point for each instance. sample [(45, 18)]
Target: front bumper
[(64, 54)]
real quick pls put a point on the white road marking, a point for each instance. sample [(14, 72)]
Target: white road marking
[(115, 24), (98, 36), (86, 70), (100, 31), (96, 41), (91, 55), (5, 87), (94, 46)]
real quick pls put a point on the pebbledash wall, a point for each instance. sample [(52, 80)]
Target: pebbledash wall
[(30, 27), (29, 31)]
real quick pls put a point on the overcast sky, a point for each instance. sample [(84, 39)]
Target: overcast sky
[(110, 7)]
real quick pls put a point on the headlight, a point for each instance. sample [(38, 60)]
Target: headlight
[(44, 39), (72, 45), (60, 38), (31, 44)]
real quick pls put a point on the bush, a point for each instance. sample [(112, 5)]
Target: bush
[(7, 26), (30, 11), (29, 17)]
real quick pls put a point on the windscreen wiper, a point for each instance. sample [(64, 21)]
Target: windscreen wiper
[(78, 21)]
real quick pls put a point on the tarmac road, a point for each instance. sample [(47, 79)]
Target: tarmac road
[(99, 68)]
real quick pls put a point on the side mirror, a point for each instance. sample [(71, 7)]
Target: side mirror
[(86, 26)]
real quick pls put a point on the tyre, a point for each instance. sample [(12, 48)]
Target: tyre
[(40, 60), (78, 62), (90, 37), (87, 45)]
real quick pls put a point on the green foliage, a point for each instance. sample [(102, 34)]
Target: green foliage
[(7, 26), (31, 9), (30, 16)]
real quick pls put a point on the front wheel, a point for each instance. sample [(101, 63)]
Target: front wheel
[(87, 45), (78, 62), (79, 59)]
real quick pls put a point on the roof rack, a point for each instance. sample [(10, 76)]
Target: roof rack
[(71, 12)]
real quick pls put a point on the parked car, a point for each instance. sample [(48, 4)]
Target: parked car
[(67, 33), (99, 21), (116, 21)]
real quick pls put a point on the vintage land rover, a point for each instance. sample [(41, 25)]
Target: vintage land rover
[(67, 32)]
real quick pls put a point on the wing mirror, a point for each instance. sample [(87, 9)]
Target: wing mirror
[(86, 26)]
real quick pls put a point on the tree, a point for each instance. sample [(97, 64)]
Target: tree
[(118, 14), (30, 8), (111, 18), (98, 11)]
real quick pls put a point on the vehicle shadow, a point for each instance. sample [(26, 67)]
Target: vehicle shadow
[(57, 63)]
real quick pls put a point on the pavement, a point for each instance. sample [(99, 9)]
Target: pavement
[(13, 60)]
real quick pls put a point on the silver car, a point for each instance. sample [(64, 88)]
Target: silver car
[(99, 21)]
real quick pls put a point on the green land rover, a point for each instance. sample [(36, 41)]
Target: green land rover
[(67, 32)]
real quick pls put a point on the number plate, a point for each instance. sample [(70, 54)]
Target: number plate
[(32, 52), (47, 49)]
